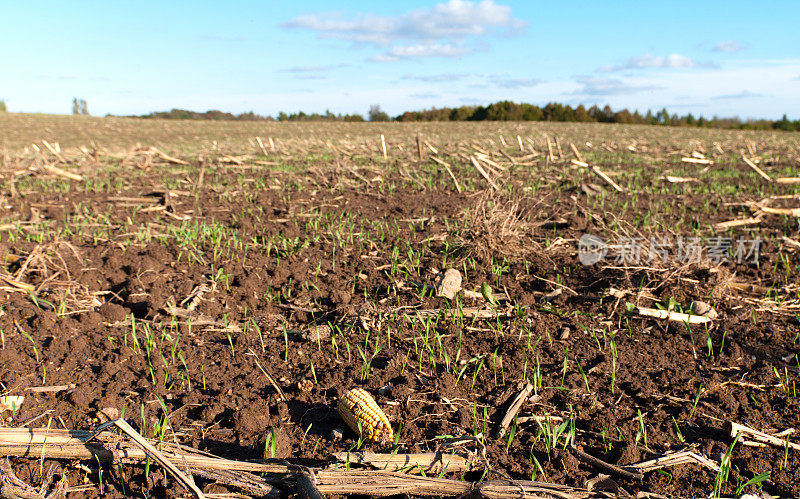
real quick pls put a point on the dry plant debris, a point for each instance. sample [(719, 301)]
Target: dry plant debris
[(218, 285)]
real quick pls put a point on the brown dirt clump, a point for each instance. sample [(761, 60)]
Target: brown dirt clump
[(315, 273)]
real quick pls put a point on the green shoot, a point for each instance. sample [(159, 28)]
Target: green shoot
[(756, 480), (724, 468)]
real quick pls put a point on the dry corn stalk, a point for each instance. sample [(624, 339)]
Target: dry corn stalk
[(672, 316)]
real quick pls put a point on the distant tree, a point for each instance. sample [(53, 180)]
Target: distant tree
[(462, 113), (607, 114), (663, 117), (785, 124), (211, 114), (554, 111), (581, 114), (503, 111), (3, 108), (377, 114), (623, 116), (79, 106), (327, 116)]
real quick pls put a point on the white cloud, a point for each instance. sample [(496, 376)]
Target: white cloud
[(425, 95), (420, 50), (744, 94), (700, 90), (609, 86), (448, 77), (314, 69), (482, 81), (728, 46), (646, 61), (311, 72), (307, 69), (435, 32), (516, 82), (310, 76)]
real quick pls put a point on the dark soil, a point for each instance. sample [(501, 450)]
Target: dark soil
[(306, 274)]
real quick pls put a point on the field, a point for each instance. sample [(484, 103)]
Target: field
[(220, 285)]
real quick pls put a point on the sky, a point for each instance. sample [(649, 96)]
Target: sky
[(725, 58)]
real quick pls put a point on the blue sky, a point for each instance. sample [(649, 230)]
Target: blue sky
[(726, 58)]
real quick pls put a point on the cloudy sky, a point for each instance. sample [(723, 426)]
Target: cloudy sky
[(726, 58)]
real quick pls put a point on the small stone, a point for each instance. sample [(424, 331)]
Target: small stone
[(111, 412), (699, 307), (11, 402), (702, 308), (107, 414), (337, 433), (564, 334), (553, 294), (449, 284), (317, 333)]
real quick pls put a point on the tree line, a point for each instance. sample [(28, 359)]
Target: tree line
[(512, 111), (502, 111), (215, 115), (375, 114)]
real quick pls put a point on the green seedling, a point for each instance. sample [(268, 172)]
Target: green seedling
[(696, 400), (270, 444), (313, 371), (511, 432), (756, 480), (724, 468), (305, 433), (678, 431), (285, 344), (641, 433), (230, 343), (35, 351)]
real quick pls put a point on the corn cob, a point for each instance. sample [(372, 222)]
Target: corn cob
[(361, 413)]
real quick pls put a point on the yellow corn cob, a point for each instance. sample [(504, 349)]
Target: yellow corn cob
[(361, 413)]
